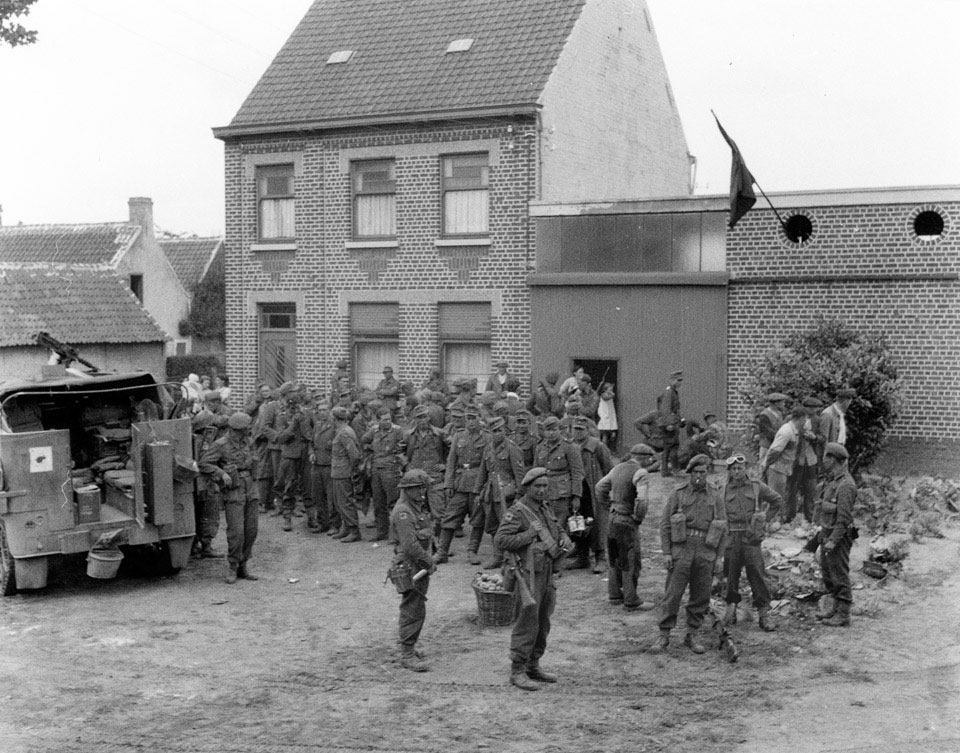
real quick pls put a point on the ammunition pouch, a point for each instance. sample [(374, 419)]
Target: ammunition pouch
[(755, 528), (401, 575), (715, 533), (678, 528)]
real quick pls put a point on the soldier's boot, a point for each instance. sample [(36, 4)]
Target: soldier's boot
[(473, 556), (534, 672), (207, 551), (244, 572), (312, 523), (730, 615), (841, 618), (599, 564), (828, 608), (765, 621), (494, 562), (518, 676), (662, 642), (352, 536), (231, 575), (691, 642), (443, 549), (410, 660)]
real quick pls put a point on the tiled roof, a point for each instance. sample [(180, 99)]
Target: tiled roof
[(400, 63), (189, 257), (66, 244), (75, 305)]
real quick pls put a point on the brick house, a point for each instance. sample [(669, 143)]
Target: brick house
[(379, 174), (129, 248), (194, 260), (883, 260)]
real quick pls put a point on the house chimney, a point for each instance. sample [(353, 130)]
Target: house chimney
[(141, 213)]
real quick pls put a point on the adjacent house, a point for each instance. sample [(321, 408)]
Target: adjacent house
[(128, 248), (87, 306), (379, 174), (195, 261)]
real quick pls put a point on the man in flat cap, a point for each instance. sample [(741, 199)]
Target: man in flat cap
[(670, 422), (412, 528), (231, 458), (624, 493), (564, 466), (502, 381), (834, 513), (769, 421), (460, 482), (534, 541), (833, 423), (693, 535)]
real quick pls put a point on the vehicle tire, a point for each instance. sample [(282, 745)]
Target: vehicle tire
[(164, 562), (8, 577)]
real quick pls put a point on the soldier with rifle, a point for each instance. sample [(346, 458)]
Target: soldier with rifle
[(532, 540)]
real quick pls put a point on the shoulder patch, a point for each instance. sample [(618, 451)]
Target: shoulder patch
[(508, 516), (403, 515)]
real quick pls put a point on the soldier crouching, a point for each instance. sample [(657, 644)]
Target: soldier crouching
[(412, 528), (531, 536)]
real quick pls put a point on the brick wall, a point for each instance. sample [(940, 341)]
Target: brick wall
[(865, 266), (324, 274)]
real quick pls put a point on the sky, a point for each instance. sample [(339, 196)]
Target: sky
[(118, 97)]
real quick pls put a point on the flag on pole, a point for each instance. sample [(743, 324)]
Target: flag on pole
[(742, 197)]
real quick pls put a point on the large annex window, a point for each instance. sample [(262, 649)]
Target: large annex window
[(375, 332), (464, 334), (275, 203), (374, 199), (278, 342), (465, 185)]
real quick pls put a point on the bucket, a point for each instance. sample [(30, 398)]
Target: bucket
[(103, 563)]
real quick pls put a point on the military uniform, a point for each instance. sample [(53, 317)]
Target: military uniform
[(517, 534), (209, 503), (268, 452), (328, 516), (427, 451), (501, 472), (233, 456), (742, 500), (290, 437), (693, 559), (386, 447), (617, 493), (668, 421), (344, 457), (564, 465), (412, 528), (460, 481), (597, 462), (834, 511)]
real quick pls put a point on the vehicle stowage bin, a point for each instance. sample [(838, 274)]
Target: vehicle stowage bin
[(103, 563)]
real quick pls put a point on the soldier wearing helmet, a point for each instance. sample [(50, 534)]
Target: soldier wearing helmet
[(412, 528), (231, 459), (208, 497)]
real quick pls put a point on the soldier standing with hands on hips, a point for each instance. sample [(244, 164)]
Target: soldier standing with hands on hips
[(532, 535)]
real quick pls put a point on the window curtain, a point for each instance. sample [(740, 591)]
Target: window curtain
[(276, 218), (465, 212), (466, 360), (371, 357), (376, 215)]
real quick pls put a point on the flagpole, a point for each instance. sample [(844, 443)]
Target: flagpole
[(764, 195)]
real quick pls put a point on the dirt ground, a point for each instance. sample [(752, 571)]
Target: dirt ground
[(304, 660)]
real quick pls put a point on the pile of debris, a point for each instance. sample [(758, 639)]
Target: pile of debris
[(886, 505)]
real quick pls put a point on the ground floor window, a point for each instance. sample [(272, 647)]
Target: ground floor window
[(375, 334), (466, 360), (370, 357), (464, 335)]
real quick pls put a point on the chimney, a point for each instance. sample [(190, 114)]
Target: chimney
[(141, 213)]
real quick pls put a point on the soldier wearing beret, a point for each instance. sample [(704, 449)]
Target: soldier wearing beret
[(460, 483), (412, 528), (231, 458), (534, 540), (624, 493), (834, 513), (693, 534), (564, 466)]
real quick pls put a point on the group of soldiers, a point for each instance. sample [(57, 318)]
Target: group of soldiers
[(428, 460)]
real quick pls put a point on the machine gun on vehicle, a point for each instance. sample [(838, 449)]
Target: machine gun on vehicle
[(66, 354)]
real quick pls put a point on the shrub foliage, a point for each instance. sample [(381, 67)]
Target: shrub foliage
[(821, 360)]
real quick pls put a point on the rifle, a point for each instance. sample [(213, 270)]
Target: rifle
[(725, 643), (526, 594), (67, 354)]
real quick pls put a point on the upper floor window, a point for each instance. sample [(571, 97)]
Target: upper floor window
[(465, 185), (374, 199), (275, 203)]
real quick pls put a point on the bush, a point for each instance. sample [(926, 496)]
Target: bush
[(179, 367), (818, 362)]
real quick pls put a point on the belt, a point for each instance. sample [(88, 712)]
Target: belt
[(696, 533), (738, 530), (469, 466), (245, 474)]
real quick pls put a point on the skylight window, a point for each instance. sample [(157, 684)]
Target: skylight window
[(341, 56), (460, 45)]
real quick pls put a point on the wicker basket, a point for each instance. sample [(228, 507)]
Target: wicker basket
[(496, 608)]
